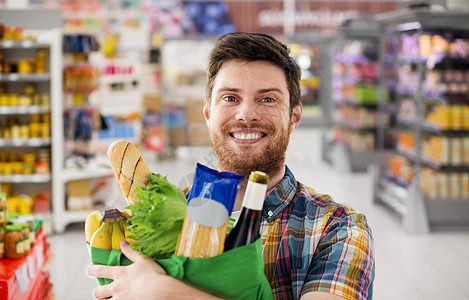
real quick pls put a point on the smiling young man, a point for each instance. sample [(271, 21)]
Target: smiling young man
[(313, 248)]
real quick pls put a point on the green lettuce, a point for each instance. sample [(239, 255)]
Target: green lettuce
[(158, 218)]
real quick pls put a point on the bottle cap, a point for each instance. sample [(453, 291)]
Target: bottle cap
[(259, 177)]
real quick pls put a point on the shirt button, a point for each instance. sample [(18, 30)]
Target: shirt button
[(270, 213)]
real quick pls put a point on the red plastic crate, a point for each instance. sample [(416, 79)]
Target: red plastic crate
[(10, 286)]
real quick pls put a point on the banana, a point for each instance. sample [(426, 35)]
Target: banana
[(125, 214), (101, 238), (92, 223), (117, 236), (128, 236), (123, 225)]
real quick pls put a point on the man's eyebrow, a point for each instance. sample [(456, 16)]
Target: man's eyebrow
[(273, 89), (228, 89), (266, 90)]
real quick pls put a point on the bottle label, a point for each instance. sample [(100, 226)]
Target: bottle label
[(254, 196)]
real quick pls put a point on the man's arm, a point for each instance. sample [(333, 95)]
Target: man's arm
[(144, 279), (344, 264)]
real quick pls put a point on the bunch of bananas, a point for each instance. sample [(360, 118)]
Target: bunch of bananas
[(106, 230)]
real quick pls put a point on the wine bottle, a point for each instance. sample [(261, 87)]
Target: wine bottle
[(246, 229)]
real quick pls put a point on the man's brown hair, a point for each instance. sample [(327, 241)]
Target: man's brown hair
[(254, 47)]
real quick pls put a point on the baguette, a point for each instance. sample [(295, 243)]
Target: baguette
[(129, 167)]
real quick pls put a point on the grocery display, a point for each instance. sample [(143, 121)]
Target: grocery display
[(23, 254), (425, 177), (26, 99), (351, 143), (308, 51)]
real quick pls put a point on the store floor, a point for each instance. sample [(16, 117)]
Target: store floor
[(433, 266)]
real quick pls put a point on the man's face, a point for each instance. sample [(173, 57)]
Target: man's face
[(248, 117)]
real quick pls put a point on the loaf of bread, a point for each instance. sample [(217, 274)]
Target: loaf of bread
[(130, 168)]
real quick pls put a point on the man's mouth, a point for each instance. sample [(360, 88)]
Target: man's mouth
[(247, 136)]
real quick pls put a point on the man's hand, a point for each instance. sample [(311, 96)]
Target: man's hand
[(144, 279)]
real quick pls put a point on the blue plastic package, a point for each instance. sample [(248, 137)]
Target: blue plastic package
[(210, 203), (219, 186)]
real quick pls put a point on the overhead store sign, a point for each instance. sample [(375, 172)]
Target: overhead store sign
[(269, 16)]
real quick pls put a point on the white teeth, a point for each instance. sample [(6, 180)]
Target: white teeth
[(247, 136)]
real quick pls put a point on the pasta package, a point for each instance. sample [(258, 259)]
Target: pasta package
[(210, 203)]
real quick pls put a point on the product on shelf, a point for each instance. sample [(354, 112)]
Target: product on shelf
[(19, 163), (36, 65), (3, 208), (81, 79), (2, 241), (14, 242), (445, 185)]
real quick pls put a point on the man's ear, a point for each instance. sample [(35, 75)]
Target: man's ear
[(296, 117), (207, 112)]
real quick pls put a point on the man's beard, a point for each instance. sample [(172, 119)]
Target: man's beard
[(270, 160)]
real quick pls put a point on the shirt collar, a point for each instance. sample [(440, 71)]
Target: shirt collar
[(280, 196)]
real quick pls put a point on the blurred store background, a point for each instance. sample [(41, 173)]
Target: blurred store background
[(385, 91)]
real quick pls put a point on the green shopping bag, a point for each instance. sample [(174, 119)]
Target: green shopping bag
[(236, 274)]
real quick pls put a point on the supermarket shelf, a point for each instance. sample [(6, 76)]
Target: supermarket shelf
[(392, 194), (349, 161), (24, 77), (88, 173), (348, 124), (18, 110), (27, 142), (448, 213), (18, 178), (430, 128), (22, 44), (422, 213), (435, 129), (431, 163)]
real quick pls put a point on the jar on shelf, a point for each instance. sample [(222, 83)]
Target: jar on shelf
[(7, 168), (45, 130), (29, 89), (3, 209), (42, 167), (25, 66), (13, 241), (13, 99), (24, 131), (4, 101), (45, 99), (25, 100), (34, 130), (2, 242)]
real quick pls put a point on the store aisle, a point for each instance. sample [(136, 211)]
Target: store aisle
[(432, 266)]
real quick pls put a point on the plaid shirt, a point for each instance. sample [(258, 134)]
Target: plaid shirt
[(310, 243)]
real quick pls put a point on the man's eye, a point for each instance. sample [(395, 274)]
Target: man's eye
[(230, 99), (267, 99)]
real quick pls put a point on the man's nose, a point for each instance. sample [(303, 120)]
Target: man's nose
[(248, 111)]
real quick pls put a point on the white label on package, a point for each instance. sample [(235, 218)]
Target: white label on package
[(207, 212), (31, 267), (21, 278)]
